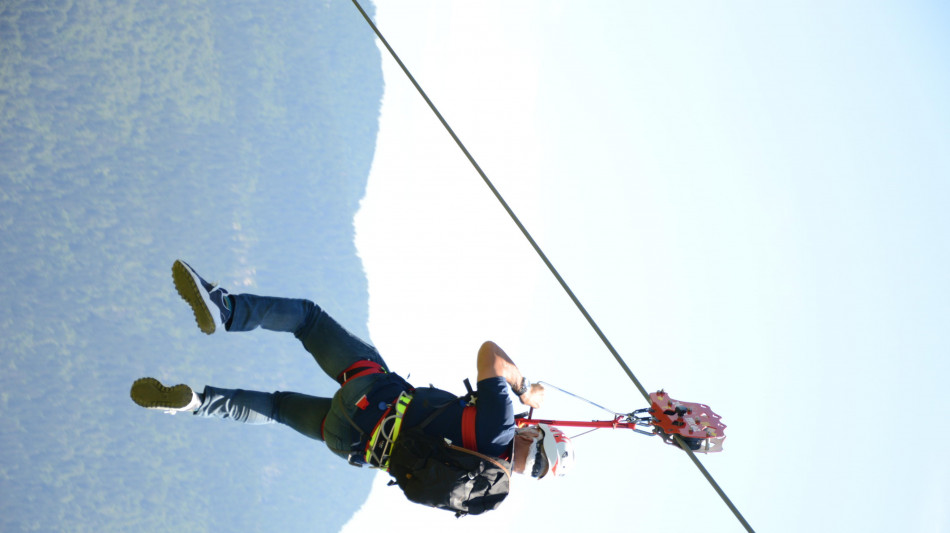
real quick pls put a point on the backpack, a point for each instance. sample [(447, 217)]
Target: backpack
[(432, 471)]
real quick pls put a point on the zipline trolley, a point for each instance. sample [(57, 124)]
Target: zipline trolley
[(699, 427)]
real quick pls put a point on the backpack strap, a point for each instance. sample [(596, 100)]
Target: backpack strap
[(469, 439), (438, 411), (470, 395), (468, 418)]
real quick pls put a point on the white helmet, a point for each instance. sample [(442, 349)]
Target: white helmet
[(558, 450)]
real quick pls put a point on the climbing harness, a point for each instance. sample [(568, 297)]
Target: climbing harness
[(675, 437), (384, 435), (381, 441)]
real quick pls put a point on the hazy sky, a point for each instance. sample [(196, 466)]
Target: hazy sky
[(749, 199)]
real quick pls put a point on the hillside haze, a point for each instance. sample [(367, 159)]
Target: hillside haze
[(235, 135)]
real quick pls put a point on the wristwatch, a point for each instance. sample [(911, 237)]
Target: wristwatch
[(525, 385)]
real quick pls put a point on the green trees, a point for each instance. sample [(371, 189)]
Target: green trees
[(237, 135)]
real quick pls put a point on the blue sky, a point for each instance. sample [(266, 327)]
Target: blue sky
[(748, 199)]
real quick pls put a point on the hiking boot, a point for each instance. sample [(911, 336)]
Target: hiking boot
[(210, 303), (151, 394)]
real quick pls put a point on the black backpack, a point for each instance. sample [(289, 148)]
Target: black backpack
[(431, 471)]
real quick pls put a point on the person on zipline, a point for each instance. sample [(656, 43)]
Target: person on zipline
[(368, 390)]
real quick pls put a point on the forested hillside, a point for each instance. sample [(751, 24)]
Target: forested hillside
[(235, 135)]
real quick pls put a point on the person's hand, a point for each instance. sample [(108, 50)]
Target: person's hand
[(534, 397)]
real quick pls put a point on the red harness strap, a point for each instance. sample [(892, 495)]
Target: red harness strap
[(469, 440), (360, 369)]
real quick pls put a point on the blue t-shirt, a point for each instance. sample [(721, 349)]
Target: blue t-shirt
[(494, 419)]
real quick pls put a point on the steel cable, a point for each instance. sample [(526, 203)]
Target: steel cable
[(547, 262)]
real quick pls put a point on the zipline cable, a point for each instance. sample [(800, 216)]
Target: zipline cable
[(547, 262), (504, 204)]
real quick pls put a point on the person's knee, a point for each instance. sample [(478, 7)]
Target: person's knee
[(313, 314)]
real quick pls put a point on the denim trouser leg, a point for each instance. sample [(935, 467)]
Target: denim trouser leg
[(331, 345), (301, 412)]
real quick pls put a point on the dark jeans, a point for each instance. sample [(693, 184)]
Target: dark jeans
[(337, 421)]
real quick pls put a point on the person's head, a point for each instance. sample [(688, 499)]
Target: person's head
[(541, 451)]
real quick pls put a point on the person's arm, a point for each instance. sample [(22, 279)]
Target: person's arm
[(494, 362)]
